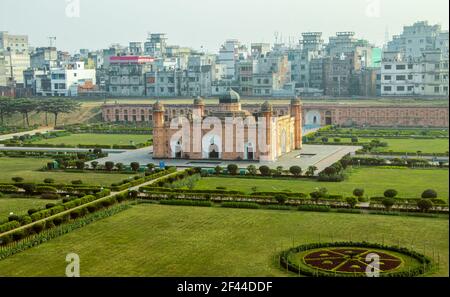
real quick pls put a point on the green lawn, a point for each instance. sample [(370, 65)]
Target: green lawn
[(409, 183), (100, 139), (20, 206), (155, 240), (27, 168), (427, 146)]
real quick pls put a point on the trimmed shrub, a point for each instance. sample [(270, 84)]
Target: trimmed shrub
[(248, 205), (351, 201), (358, 192), (388, 202), (319, 208), (295, 170), (186, 202), (77, 182), (429, 194), (232, 169), (50, 196), (281, 199), (17, 179), (265, 170), (13, 217), (49, 181), (424, 205), (390, 193)]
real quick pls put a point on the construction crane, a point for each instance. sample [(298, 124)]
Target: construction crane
[(51, 39)]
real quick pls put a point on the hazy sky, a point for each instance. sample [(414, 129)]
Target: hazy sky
[(208, 23)]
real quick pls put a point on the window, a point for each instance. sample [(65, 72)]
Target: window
[(410, 66), (400, 88), (400, 67), (436, 89), (387, 77), (387, 88), (437, 66), (400, 77), (410, 88), (437, 77), (387, 66), (410, 77)]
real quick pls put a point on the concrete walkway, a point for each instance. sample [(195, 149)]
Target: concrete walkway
[(57, 149), (320, 156), (32, 132)]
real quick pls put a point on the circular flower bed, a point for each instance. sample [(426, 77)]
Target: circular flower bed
[(354, 259)]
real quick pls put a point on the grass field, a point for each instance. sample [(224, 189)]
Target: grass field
[(27, 168), (427, 146), (155, 240), (20, 206), (100, 139), (409, 183)]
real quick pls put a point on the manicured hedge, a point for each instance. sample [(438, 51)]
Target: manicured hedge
[(310, 207), (249, 205), (187, 202)]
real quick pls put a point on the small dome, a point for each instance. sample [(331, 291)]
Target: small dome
[(266, 106), (158, 106), (296, 101), (199, 101), (230, 97)]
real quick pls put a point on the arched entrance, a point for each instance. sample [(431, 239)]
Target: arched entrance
[(249, 152), (213, 151), (328, 118), (211, 145), (312, 119)]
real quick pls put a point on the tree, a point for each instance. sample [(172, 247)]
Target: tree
[(94, 164), (218, 169), (79, 164), (295, 170), (281, 198), (390, 193), (29, 188), (109, 165), (60, 106), (43, 106), (232, 169), (351, 201), (279, 170), (429, 194), (49, 180), (330, 171), (265, 170), (120, 166), (252, 169), (135, 166), (151, 167), (311, 170), (388, 202), (424, 205), (6, 108), (358, 192), (25, 106)]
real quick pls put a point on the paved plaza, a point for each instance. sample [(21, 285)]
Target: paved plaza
[(320, 156)]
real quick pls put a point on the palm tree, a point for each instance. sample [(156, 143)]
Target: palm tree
[(311, 170)]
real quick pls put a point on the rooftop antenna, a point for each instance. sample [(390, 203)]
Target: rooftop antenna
[(276, 36)]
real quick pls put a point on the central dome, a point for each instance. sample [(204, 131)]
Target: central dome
[(230, 96)]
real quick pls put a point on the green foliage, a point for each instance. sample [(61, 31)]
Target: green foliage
[(295, 170), (187, 202), (265, 170), (429, 194), (232, 169), (318, 208), (248, 205), (390, 193), (424, 205), (351, 201), (358, 192), (388, 202)]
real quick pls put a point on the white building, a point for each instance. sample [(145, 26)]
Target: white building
[(65, 80), (406, 76), (14, 56), (230, 52)]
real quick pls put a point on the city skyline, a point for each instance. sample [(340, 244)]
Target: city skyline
[(372, 19)]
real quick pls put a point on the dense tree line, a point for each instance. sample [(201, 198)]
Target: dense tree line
[(26, 106)]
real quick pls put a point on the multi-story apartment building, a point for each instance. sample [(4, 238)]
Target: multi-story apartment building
[(416, 62), (271, 75), (14, 58), (66, 79), (155, 46), (163, 83), (135, 48), (44, 58), (126, 75), (244, 70), (231, 52)]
